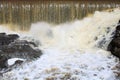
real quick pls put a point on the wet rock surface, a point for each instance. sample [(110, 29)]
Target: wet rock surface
[(114, 45), (12, 47), (7, 39), (114, 48)]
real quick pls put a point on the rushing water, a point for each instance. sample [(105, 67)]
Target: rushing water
[(71, 51)]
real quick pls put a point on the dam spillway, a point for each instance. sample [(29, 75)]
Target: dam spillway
[(25, 12)]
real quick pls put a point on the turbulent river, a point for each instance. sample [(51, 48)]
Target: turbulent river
[(71, 51)]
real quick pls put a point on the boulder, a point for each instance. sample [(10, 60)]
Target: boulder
[(6, 39), (114, 45), (12, 47), (21, 49)]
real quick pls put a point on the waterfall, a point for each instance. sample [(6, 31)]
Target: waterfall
[(23, 13), (74, 47)]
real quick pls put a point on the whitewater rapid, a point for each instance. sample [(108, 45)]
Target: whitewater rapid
[(71, 51)]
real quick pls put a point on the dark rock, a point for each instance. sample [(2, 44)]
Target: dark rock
[(21, 49), (2, 34), (3, 62), (12, 47), (13, 37), (116, 42), (6, 39), (19, 62), (114, 45)]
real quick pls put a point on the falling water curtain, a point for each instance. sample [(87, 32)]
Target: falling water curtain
[(25, 12)]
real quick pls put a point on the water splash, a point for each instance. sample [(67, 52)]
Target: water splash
[(77, 34)]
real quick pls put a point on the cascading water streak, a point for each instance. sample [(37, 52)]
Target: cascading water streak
[(23, 13)]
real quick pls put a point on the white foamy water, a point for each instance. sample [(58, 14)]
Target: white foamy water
[(71, 51), (12, 61)]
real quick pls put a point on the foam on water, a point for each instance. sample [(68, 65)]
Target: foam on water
[(12, 61), (72, 51)]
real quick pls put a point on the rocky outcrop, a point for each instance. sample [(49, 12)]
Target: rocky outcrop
[(20, 49), (3, 62), (12, 47), (114, 45), (6, 39)]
